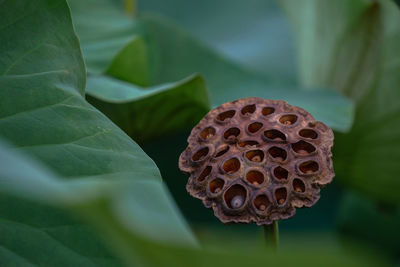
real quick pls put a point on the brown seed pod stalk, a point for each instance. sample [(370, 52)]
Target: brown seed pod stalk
[(257, 160)]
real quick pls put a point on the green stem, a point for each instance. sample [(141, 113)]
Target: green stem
[(130, 7), (271, 234)]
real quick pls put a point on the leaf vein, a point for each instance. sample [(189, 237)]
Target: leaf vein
[(37, 108)]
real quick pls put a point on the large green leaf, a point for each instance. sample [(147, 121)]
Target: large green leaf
[(256, 33), (37, 234), (173, 55), (338, 43), (27, 186), (177, 54), (43, 113), (369, 155), (131, 63), (162, 109), (100, 50), (145, 112), (152, 112), (366, 158), (381, 231)]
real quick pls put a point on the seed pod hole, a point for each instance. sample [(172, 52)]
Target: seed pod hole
[(309, 167), (204, 173), (303, 148), (299, 186), (278, 153), (231, 165), (261, 202), (226, 115), (275, 135), (255, 177), (308, 133), (216, 185), (288, 119), (254, 127), (249, 109), (267, 111), (255, 155), (200, 154), (231, 134), (281, 173), (207, 133), (235, 196), (280, 195), (221, 151), (248, 143)]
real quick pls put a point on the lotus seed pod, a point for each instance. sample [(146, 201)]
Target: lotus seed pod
[(257, 160)]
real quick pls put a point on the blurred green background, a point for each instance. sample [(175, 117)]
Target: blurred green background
[(75, 190)]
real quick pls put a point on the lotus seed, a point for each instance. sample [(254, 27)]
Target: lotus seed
[(237, 202)]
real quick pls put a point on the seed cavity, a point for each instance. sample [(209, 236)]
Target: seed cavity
[(309, 167), (274, 135), (303, 147), (281, 173), (255, 155), (288, 119), (226, 115), (281, 195), (254, 127), (249, 109), (231, 134), (207, 133), (216, 185), (200, 154), (255, 177), (298, 185), (235, 196), (221, 151), (231, 166), (268, 111), (278, 153), (308, 133), (261, 202), (204, 173)]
